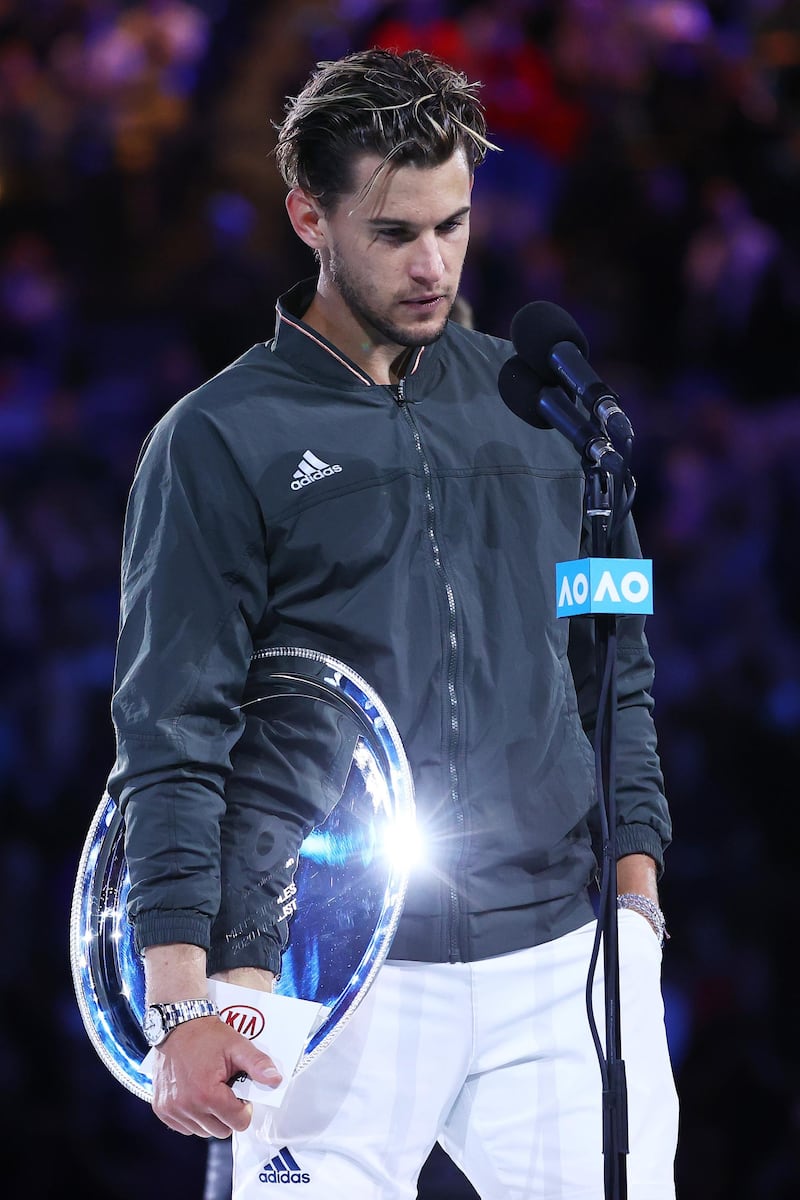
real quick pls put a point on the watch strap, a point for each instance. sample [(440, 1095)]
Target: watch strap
[(186, 1010)]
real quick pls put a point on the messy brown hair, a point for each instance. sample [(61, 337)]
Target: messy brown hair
[(409, 108)]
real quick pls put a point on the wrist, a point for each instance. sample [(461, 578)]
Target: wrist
[(648, 909), (175, 973)]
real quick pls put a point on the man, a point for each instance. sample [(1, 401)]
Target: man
[(422, 554)]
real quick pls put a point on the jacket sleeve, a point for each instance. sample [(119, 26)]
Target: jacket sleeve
[(194, 586), (643, 820)]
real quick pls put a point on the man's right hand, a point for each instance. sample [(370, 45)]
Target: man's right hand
[(191, 1074), (193, 1067)]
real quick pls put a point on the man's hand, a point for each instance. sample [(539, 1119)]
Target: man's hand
[(191, 1092), (193, 1067)]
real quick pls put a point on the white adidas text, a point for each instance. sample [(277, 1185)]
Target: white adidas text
[(310, 469)]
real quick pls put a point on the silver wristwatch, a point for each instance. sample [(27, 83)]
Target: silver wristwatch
[(160, 1019)]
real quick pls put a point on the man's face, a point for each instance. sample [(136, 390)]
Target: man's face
[(393, 258)]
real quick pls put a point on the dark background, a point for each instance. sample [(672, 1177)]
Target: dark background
[(649, 184)]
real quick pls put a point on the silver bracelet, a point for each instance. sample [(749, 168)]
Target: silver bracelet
[(648, 909)]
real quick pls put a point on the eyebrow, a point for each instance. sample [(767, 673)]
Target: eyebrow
[(397, 223)]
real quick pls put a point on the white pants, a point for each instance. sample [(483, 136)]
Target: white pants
[(493, 1059)]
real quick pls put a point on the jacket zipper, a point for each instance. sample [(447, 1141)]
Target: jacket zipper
[(455, 798)]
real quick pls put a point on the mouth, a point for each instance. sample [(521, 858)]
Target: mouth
[(424, 303)]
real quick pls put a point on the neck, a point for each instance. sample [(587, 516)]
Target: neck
[(384, 362)]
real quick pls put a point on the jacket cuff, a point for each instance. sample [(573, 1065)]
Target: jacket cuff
[(263, 952), (641, 839), (157, 928)]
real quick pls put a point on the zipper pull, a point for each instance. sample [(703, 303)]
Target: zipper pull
[(401, 390)]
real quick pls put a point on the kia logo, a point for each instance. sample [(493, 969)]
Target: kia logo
[(244, 1019)]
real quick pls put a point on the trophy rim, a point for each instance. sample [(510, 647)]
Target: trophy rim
[(83, 898)]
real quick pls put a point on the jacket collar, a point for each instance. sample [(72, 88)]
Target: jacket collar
[(312, 354)]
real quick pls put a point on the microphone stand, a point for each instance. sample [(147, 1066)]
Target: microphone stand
[(599, 510), (604, 467)]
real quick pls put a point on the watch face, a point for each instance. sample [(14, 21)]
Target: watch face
[(153, 1025)]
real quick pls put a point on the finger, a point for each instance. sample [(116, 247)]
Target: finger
[(204, 1125), (237, 1117), (213, 1126), (183, 1126), (260, 1068)]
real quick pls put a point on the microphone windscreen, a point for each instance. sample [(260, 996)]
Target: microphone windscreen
[(519, 387), (540, 326)]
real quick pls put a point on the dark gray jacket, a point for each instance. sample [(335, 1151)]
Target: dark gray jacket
[(424, 557)]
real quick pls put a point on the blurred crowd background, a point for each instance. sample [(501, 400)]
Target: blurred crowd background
[(650, 184)]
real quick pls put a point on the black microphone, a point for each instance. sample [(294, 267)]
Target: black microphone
[(549, 408), (554, 345)]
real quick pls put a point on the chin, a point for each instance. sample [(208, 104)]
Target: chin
[(424, 334)]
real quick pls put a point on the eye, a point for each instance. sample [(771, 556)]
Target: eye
[(395, 235)]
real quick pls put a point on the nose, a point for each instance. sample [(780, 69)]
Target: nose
[(427, 265)]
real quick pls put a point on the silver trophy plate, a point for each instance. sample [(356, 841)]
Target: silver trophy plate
[(350, 878)]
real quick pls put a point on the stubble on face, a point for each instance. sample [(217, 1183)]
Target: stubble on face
[(357, 300)]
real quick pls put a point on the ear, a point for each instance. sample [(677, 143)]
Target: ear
[(307, 218)]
